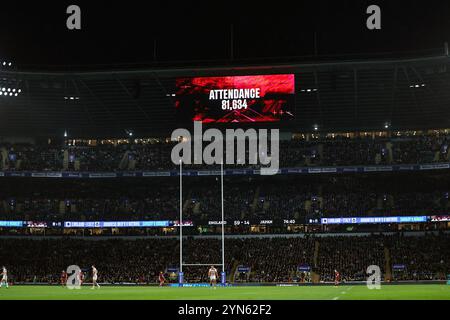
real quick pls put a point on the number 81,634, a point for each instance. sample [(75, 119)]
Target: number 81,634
[(234, 104)]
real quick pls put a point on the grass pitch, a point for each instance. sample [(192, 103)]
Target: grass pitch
[(343, 292)]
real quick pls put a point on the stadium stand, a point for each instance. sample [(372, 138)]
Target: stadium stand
[(366, 114), (270, 259), (130, 156), (283, 197)]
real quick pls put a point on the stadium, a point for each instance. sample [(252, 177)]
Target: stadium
[(93, 205)]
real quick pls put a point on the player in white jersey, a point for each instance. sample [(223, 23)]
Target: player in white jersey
[(212, 274), (4, 278), (94, 278)]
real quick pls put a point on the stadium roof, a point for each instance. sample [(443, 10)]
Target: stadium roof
[(350, 95)]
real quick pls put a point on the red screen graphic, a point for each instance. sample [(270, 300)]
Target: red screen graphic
[(261, 98)]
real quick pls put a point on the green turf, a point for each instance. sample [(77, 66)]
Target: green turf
[(344, 292)]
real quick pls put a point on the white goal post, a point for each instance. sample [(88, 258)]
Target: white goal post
[(222, 264)]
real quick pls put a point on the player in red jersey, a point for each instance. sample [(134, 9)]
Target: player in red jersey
[(162, 279), (63, 278), (337, 277)]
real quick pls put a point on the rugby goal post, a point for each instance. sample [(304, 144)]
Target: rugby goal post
[(180, 223)]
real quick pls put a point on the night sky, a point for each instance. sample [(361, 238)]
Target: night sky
[(35, 34)]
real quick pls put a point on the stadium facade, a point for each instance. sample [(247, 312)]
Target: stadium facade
[(366, 154), (344, 96)]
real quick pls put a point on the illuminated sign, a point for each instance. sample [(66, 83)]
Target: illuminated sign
[(236, 99), (186, 223), (440, 218), (374, 220), (116, 224), (11, 224), (216, 223), (304, 268), (36, 224), (243, 269), (238, 222), (399, 267)]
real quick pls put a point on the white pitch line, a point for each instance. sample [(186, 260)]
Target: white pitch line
[(336, 298)]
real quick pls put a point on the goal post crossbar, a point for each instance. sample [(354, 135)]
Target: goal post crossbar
[(201, 264)]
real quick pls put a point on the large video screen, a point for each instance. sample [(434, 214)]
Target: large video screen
[(236, 99)]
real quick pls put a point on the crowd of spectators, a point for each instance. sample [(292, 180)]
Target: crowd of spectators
[(280, 197), (245, 198), (420, 258), (337, 151), (31, 157), (274, 259), (356, 151), (350, 256), (84, 200), (139, 260)]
